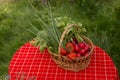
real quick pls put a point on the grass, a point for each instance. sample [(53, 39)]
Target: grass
[(100, 20), (12, 35)]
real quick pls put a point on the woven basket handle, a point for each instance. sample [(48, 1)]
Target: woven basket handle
[(63, 35)]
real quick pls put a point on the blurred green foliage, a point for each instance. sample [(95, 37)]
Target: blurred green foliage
[(101, 19)]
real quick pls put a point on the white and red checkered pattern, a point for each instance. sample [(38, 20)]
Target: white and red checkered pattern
[(29, 64)]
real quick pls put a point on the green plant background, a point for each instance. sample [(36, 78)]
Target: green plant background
[(100, 18)]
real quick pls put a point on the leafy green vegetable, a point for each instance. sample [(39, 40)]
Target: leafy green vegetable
[(52, 30)]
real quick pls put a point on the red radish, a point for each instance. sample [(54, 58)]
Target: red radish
[(76, 48), (85, 44), (63, 52), (86, 54), (87, 48), (75, 41), (70, 47), (82, 52), (72, 56), (89, 45), (78, 55), (82, 45)]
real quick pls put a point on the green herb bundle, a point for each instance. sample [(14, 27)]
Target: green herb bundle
[(49, 36), (52, 29)]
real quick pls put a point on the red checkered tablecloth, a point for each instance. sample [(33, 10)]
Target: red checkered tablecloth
[(29, 64)]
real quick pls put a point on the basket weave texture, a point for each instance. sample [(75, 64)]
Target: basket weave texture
[(73, 65)]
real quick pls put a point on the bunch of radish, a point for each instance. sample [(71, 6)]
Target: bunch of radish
[(75, 49)]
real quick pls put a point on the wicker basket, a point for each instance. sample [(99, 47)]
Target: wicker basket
[(73, 65)]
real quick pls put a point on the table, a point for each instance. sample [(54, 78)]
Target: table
[(28, 63)]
